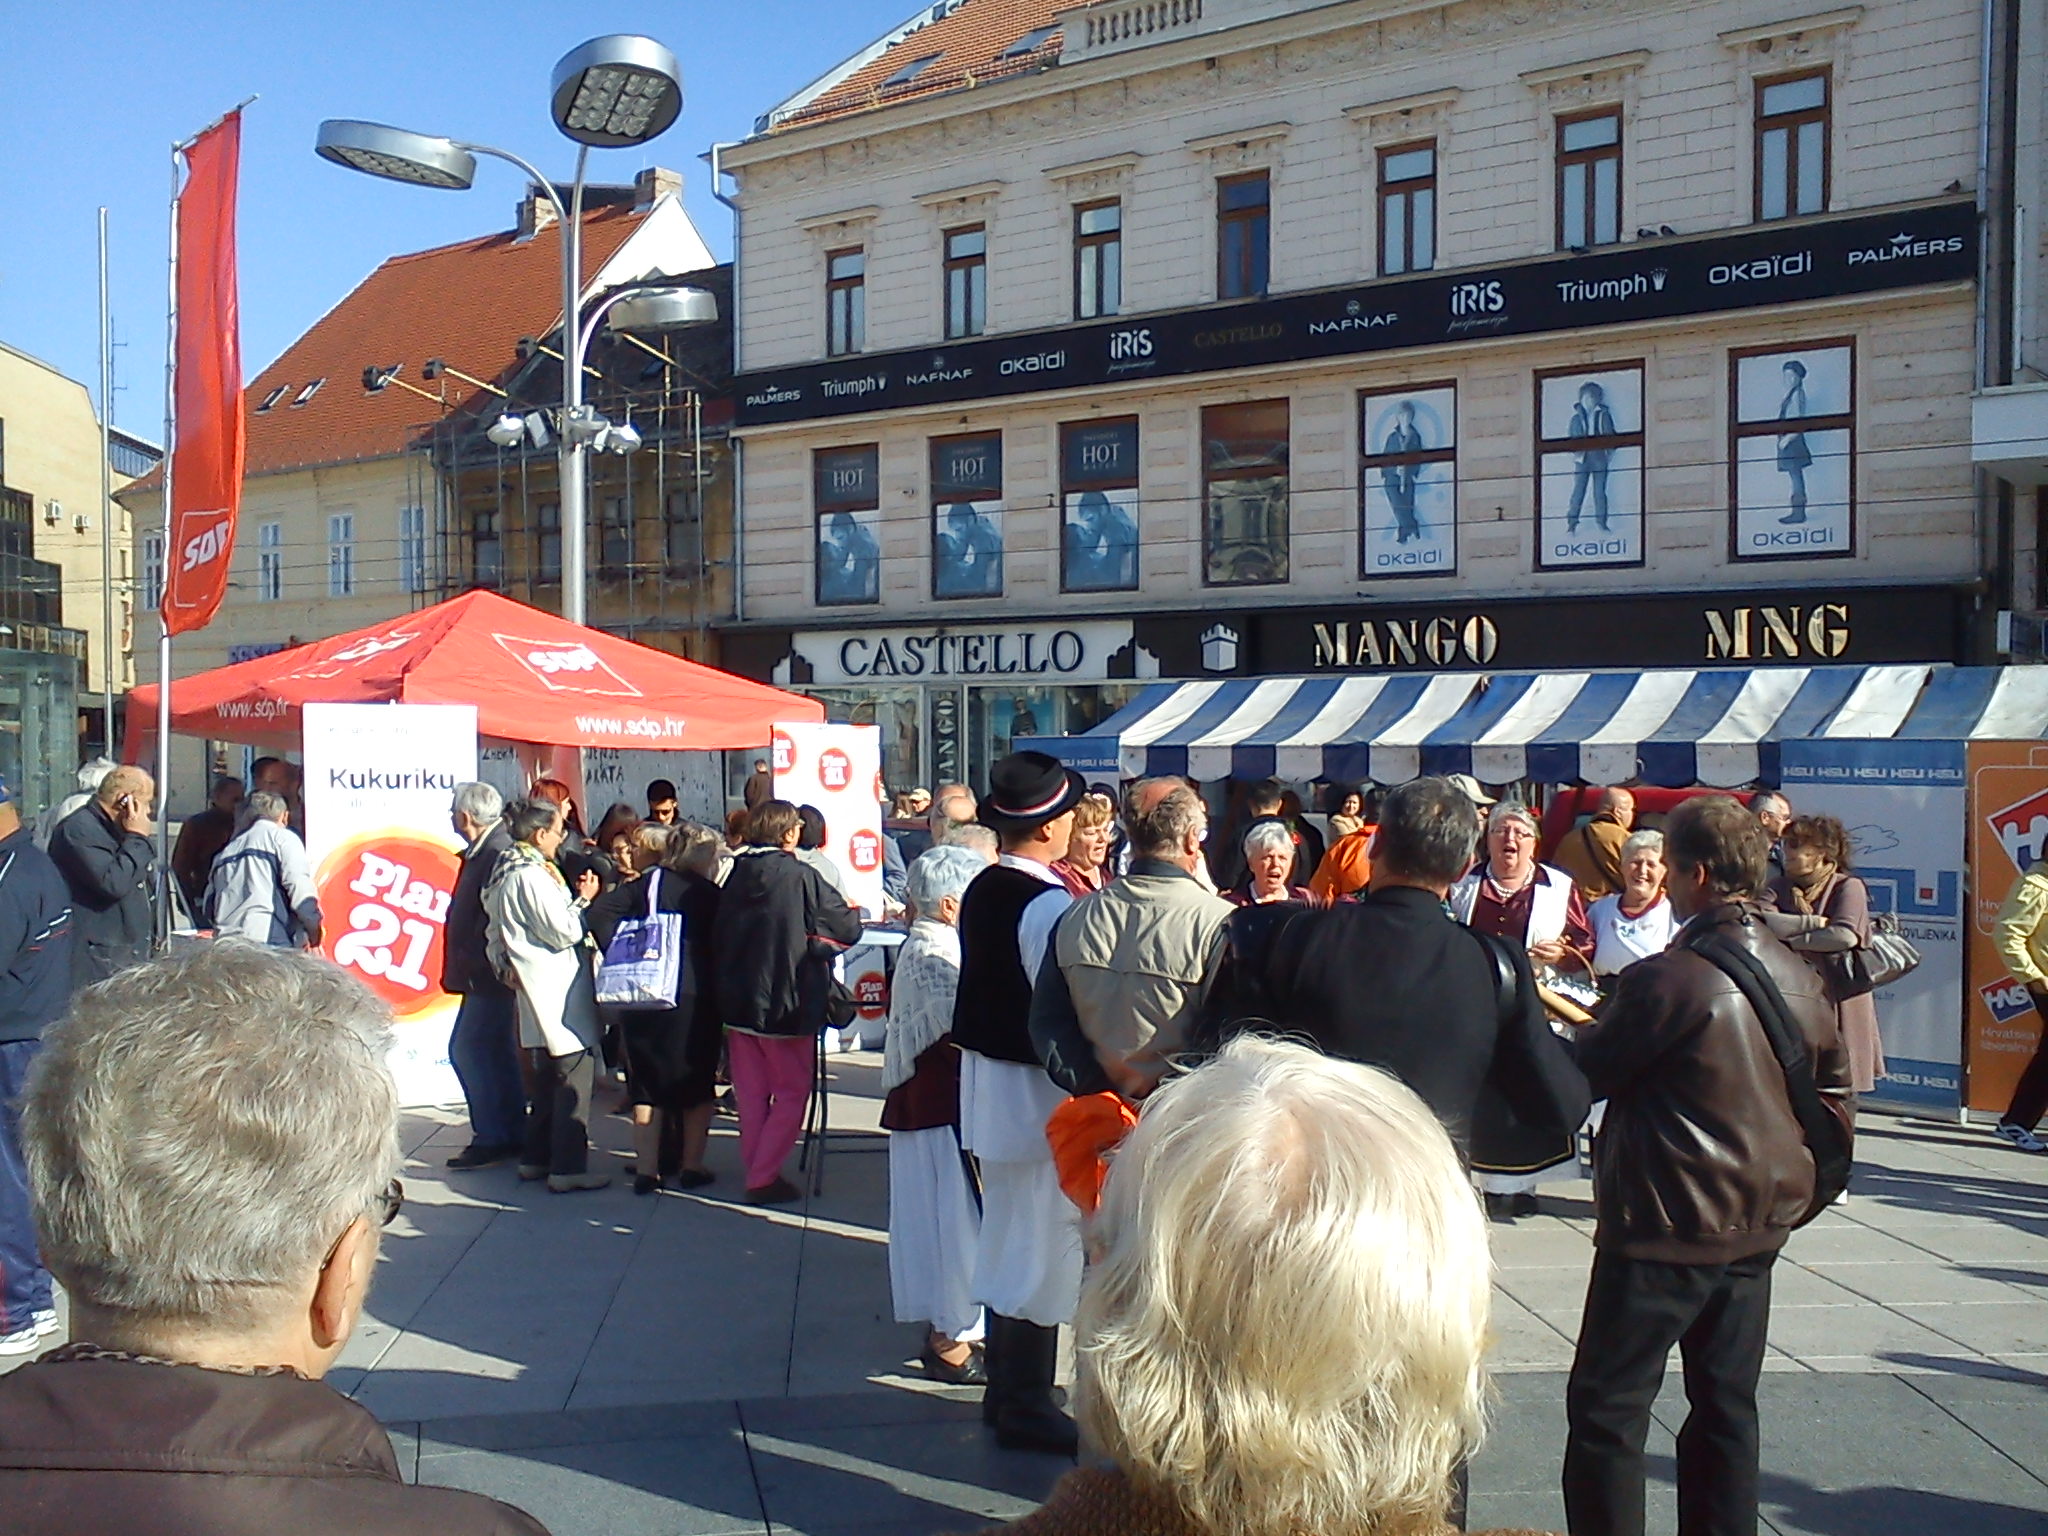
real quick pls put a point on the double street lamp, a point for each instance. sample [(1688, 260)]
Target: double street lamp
[(610, 93)]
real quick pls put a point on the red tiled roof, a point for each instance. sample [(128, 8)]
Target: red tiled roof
[(970, 44), (467, 304)]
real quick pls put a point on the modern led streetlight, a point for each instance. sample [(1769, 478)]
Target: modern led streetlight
[(610, 93)]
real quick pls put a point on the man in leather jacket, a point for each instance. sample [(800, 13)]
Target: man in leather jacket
[(1702, 1173)]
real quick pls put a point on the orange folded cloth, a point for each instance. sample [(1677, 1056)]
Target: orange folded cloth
[(1082, 1132)]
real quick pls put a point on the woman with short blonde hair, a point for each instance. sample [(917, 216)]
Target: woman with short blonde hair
[(1085, 867), (1281, 1327)]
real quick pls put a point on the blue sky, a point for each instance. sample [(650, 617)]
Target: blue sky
[(98, 90)]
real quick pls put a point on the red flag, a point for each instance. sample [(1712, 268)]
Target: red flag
[(206, 453)]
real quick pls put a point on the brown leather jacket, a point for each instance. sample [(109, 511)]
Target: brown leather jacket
[(92, 1444), (1701, 1160)]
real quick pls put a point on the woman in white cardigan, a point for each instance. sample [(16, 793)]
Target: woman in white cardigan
[(536, 944), (934, 1219)]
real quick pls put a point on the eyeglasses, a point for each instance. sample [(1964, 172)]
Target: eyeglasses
[(389, 1202)]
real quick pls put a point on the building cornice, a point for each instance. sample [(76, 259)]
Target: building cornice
[(1100, 166), (1240, 138), (1609, 64), (1799, 26), (972, 192), (1405, 106), (864, 214)]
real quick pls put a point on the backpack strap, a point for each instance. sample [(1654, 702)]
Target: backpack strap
[(1822, 1130)]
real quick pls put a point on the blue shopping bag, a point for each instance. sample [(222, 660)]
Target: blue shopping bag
[(643, 964)]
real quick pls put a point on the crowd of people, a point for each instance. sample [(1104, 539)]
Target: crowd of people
[(1307, 1053)]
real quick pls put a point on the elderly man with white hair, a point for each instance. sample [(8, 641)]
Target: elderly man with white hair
[(934, 1218), (1536, 907), (1285, 1311), (484, 1045), (212, 1142)]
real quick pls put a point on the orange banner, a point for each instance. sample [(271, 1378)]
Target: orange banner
[(206, 451), (2008, 832)]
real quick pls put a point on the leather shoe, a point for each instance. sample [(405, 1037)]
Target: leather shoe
[(970, 1372), (480, 1154), (781, 1192)]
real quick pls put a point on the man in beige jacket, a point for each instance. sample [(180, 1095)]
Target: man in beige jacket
[(1134, 961), (2021, 934), (1591, 854)]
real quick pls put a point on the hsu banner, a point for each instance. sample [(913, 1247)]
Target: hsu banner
[(380, 781), (1905, 805)]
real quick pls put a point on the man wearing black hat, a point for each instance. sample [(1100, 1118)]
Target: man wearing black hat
[(1027, 1270)]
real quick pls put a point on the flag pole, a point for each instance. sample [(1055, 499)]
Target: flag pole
[(163, 645), (107, 651)]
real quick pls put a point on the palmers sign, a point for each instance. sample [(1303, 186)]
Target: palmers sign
[(1851, 625)]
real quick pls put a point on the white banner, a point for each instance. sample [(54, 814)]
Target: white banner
[(838, 769), (1904, 805), (379, 779)]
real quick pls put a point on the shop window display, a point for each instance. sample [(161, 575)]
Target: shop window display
[(1099, 506), (1792, 452), (1589, 481), (1244, 494), (1408, 482)]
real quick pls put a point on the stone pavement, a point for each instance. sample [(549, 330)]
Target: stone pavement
[(685, 1364)]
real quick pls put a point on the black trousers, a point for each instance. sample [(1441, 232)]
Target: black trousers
[(2030, 1095), (1718, 1315), (558, 1119)]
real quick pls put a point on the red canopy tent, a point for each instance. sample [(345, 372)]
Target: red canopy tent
[(532, 676)]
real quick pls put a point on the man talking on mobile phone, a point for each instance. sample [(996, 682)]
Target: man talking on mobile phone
[(103, 850)]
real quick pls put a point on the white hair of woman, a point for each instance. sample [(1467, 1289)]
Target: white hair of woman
[(1649, 840), (1282, 1326), (1268, 837), (939, 872), (1513, 810), (200, 1132)]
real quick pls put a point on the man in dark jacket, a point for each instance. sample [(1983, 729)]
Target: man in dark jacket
[(104, 852), (1702, 1172), (1391, 980), (35, 987), (484, 1046), (779, 929), (208, 1295)]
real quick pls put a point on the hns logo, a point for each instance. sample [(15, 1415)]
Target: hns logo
[(2022, 830), (2006, 999)]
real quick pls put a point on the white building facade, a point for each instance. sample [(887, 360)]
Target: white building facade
[(1244, 338)]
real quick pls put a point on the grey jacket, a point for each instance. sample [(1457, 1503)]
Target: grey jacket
[(262, 888), (1133, 967)]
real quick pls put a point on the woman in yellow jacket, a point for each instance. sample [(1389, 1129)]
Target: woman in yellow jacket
[(2023, 946)]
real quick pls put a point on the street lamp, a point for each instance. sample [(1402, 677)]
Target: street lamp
[(647, 306), (609, 93)]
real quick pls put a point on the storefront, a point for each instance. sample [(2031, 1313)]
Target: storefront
[(950, 699)]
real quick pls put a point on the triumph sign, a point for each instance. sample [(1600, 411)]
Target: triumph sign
[(1770, 264)]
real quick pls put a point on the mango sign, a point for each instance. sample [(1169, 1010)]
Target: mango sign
[(386, 894)]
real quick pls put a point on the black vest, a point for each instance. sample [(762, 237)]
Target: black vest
[(992, 1009)]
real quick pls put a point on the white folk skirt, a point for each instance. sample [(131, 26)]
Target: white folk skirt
[(1028, 1260), (934, 1228)]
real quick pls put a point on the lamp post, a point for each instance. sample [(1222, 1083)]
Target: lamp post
[(609, 93)]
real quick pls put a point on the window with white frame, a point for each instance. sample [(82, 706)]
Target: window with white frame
[(341, 554), (413, 572), (270, 562)]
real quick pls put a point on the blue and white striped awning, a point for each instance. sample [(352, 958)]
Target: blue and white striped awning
[(1713, 726)]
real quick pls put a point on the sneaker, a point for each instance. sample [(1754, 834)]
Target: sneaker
[(531, 1171), (23, 1341), (44, 1321), (2022, 1138), (568, 1183)]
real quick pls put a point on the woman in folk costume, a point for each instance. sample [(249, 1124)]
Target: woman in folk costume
[(1513, 897), (934, 1208)]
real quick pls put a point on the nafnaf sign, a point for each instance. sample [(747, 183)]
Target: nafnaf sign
[(1774, 264)]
